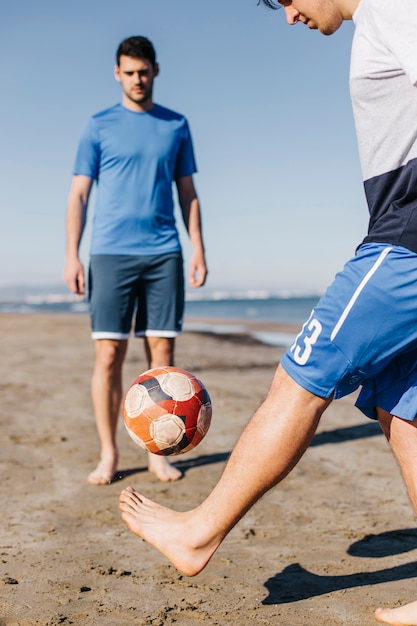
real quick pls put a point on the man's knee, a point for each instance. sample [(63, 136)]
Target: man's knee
[(160, 350), (110, 353)]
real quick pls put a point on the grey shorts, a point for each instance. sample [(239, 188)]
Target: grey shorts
[(140, 293)]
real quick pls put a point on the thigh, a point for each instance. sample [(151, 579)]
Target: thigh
[(161, 297), (367, 317), (112, 293)]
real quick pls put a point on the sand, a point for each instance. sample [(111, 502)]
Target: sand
[(335, 540)]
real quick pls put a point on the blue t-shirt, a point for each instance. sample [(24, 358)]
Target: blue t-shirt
[(134, 159)]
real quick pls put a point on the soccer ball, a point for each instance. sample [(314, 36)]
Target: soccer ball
[(167, 411)]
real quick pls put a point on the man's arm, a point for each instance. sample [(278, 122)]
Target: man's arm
[(76, 216), (190, 208)]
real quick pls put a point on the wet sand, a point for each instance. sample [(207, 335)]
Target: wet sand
[(335, 540)]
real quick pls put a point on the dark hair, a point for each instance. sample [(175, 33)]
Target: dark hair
[(138, 48), (271, 4)]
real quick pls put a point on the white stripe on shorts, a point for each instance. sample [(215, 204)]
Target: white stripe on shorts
[(168, 334), (109, 335), (358, 291)]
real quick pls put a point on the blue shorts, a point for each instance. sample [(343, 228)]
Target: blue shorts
[(363, 332), (149, 288)]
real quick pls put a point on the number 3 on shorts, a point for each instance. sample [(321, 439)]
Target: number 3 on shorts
[(309, 334)]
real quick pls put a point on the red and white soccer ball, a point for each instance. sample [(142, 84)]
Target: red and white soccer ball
[(167, 411)]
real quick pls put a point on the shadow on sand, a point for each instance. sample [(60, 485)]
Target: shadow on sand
[(295, 583), (183, 465), (339, 435)]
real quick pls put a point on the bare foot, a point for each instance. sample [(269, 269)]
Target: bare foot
[(403, 616), (172, 533), (163, 469), (104, 472)]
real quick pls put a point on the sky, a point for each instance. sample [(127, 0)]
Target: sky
[(268, 105)]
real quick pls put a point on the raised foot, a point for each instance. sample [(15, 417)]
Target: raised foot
[(178, 536), (403, 616)]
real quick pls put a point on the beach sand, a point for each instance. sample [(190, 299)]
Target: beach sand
[(335, 540)]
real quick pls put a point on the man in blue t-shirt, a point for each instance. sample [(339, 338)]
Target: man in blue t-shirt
[(133, 151)]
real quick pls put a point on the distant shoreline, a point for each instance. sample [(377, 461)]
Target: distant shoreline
[(270, 316), (266, 332)]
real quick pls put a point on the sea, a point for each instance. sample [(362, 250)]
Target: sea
[(218, 312)]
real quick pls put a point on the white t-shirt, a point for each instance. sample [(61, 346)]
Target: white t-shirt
[(383, 85)]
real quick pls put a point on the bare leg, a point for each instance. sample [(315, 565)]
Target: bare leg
[(403, 616), (402, 436), (106, 390), (160, 352), (280, 431)]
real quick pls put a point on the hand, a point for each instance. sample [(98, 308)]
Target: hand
[(74, 276), (198, 270)]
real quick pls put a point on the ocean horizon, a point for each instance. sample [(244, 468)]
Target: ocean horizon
[(218, 312)]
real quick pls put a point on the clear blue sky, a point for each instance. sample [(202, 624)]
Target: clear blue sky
[(269, 109)]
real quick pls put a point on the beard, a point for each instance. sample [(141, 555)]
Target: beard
[(140, 98)]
